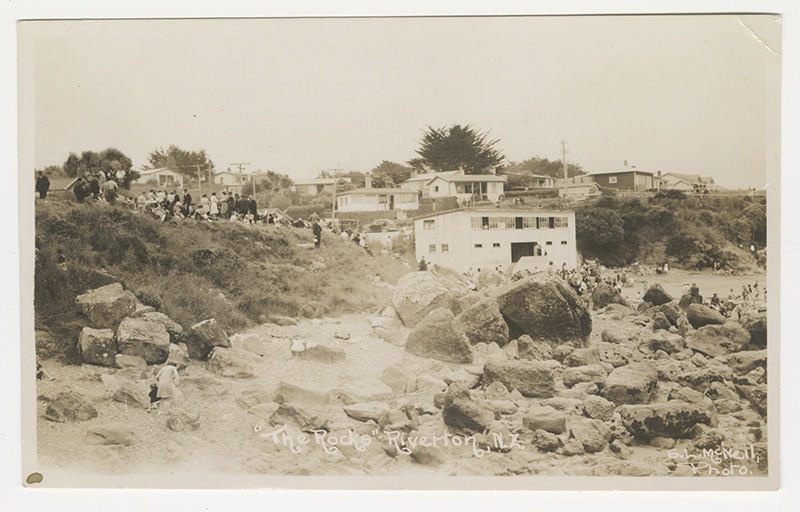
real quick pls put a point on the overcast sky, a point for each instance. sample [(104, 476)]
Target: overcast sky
[(690, 94)]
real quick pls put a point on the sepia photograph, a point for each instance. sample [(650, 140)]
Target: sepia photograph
[(455, 252)]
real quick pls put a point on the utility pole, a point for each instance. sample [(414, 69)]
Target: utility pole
[(240, 165), (564, 161), (336, 176)]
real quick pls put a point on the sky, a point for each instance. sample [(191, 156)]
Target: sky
[(689, 94)]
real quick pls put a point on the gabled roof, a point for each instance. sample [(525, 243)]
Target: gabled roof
[(689, 178), (148, 172), (472, 177), (621, 171), (429, 176)]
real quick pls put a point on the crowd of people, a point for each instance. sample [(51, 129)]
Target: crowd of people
[(166, 205)]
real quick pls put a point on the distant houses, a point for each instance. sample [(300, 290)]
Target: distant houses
[(161, 178), (370, 199), (685, 182), (316, 186)]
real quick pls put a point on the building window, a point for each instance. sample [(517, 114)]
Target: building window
[(432, 248), (496, 244), (563, 242), (561, 222), (485, 222), (612, 179), (548, 243), (476, 223), (445, 247), (529, 222), (478, 246), (542, 223), (429, 224), (383, 199), (436, 188), (493, 222)]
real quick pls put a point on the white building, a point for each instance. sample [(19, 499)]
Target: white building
[(230, 179), (377, 199), (464, 187), (162, 177), (316, 186), (486, 238)]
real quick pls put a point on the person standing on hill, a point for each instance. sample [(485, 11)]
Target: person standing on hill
[(167, 382), (317, 229), (42, 185), (231, 205), (252, 209), (110, 191), (187, 201), (214, 206)]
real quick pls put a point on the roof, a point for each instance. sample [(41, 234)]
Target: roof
[(375, 191), (315, 181), (148, 172), (691, 178), (472, 177), (429, 176), (621, 171), (510, 212)]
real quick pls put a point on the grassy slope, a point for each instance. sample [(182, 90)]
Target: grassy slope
[(193, 270)]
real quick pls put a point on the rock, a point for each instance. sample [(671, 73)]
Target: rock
[(322, 354), (546, 441), (282, 320), (545, 418), (663, 443), (533, 350), (672, 312), (597, 407), (104, 307), (417, 294), (667, 419), (531, 378), (133, 394), (399, 378), (231, 362), (592, 434), (496, 391), (363, 391), (288, 392), (112, 435), (483, 323), (756, 376), (583, 357), (746, 361), (612, 337), (461, 413), (183, 421), (205, 335), (756, 324), (708, 439), (700, 315), (306, 418), (571, 447), (672, 369), (631, 384), (620, 449), (178, 355), (666, 341), (433, 456), (686, 395), (97, 346), (656, 295), (756, 395), (264, 411), (252, 344), (366, 411), (594, 373), (427, 382), (605, 294), (251, 397), (128, 361), (69, 406), (440, 336), (145, 338), (468, 379), (615, 355), (700, 379), (660, 321), (545, 309), (173, 328), (717, 340), (568, 405)]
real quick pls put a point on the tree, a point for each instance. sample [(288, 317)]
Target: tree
[(179, 160), (457, 147), (111, 161), (389, 174), (519, 174)]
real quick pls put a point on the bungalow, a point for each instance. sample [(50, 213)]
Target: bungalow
[(485, 238), (625, 179), (230, 179), (685, 182), (419, 182), (162, 177), (466, 187), (377, 199), (316, 186)]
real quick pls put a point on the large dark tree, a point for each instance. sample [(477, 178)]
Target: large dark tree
[(457, 147), (180, 160), (389, 174), (113, 162)]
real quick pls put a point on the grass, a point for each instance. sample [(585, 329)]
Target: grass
[(240, 275)]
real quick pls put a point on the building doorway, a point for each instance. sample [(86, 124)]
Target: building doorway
[(520, 249)]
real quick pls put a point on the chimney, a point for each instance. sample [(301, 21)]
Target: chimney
[(368, 180), (625, 163)]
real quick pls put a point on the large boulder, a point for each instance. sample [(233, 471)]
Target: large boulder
[(462, 413), (205, 335), (594, 373), (440, 336), (145, 338), (656, 295), (231, 362), (531, 378), (533, 350), (97, 346), (418, 293), (173, 328), (545, 308), (605, 294), (747, 361), (362, 391), (675, 419), (484, 323), (321, 353), (756, 324), (306, 418), (366, 411), (546, 418), (718, 340), (666, 341), (700, 315), (296, 393), (592, 434), (69, 406), (133, 394), (633, 383), (179, 355), (104, 307)]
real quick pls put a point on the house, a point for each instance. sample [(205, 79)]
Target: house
[(538, 181), (485, 238), (315, 186), (685, 182), (230, 179), (418, 182), (629, 178), (162, 178), (579, 190), (466, 187), (376, 200)]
